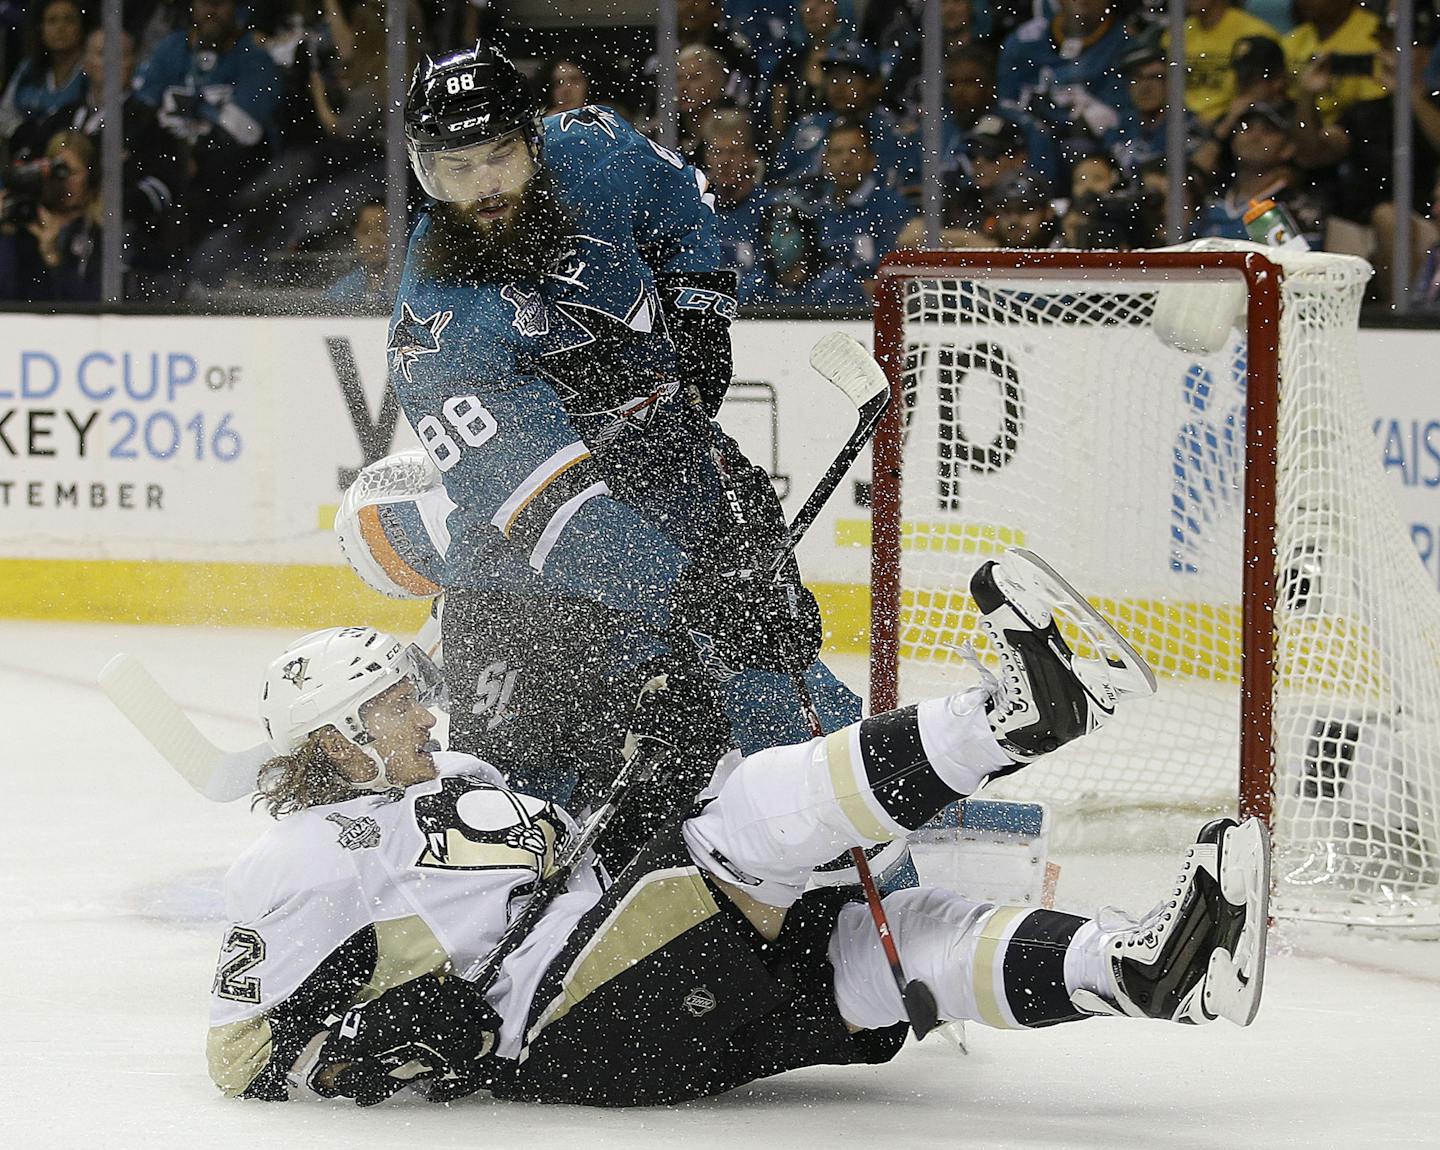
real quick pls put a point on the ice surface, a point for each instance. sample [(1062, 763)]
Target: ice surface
[(111, 870)]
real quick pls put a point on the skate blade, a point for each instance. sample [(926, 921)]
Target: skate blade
[(1125, 670), (1235, 982)]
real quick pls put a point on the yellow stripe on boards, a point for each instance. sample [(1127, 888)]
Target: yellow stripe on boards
[(1181, 640), (199, 594), (945, 537), (280, 595), (1185, 641)]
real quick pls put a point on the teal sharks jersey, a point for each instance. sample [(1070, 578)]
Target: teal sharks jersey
[(552, 406)]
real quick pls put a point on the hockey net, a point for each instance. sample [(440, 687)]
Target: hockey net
[(1224, 507)]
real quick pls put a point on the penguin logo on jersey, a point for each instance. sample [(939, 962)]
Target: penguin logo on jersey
[(531, 318), (474, 825), (414, 337)]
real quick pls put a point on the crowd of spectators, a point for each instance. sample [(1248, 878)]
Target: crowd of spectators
[(255, 133), (251, 134)]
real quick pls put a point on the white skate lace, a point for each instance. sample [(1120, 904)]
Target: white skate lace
[(1143, 931), (997, 691), (1146, 930)]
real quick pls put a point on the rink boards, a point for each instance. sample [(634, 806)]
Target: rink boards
[(186, 469)]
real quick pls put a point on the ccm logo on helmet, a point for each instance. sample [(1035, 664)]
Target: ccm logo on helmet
[(472, 122)]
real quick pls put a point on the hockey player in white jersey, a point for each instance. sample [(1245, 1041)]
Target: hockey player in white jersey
[(355, 963)]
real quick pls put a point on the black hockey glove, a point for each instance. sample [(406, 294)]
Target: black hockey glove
[(698, 308), (430, 1029), (754, 522), (688, 713), (685, 730), (743, 618)]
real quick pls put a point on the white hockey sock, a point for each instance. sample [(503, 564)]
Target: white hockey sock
[(786, 810), (1001, 966), (959, 743), (1085, 960)]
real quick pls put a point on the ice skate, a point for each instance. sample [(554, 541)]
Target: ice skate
[(1046, 694), (1200, 954)]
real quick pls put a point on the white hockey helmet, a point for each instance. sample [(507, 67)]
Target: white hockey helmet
[(323, 679), (391, 526)]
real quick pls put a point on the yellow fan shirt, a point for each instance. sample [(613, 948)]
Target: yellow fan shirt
[(1209, 82), (1359, 35)]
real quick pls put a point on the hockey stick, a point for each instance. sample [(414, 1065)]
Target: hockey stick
[(640, 759), (843, 362), (847, 365), (918, 999), (217, 774)]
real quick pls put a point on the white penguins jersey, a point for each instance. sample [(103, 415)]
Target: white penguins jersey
[(436, 872)]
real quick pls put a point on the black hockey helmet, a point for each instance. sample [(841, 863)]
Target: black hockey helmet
[(463, 99), (467, 96)]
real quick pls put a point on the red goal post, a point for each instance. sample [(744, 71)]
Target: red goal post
[(1179, 432)]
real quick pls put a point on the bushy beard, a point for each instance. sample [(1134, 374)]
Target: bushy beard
[(525, 246)]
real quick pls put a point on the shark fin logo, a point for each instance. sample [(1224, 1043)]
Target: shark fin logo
[(414, 337)]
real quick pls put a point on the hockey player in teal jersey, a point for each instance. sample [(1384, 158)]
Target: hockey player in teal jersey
[(560, 345)]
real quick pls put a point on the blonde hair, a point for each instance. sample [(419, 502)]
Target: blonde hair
[(82, 153), (307, 777)]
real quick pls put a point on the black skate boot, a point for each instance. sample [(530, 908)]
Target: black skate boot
[(1047, 696), (1199, 955)]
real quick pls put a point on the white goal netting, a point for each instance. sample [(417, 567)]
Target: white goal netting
[(1043, 410)]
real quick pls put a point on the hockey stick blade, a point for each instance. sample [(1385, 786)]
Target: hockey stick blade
[(843, 362), (215, 773), (920, 1008)]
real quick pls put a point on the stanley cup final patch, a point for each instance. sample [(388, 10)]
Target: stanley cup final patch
[(531, 318), (356, 834)]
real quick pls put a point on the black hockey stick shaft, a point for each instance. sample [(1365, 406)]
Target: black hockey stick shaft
[(917, 998), (868, 419), (853, 370), (849, 367)]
